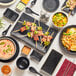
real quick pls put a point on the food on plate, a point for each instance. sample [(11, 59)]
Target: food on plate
[(26, 50), (60, 19), (46, 39), (20, 6), (7, 49), (71, 4), (25, 1), (6, 69), (69, 39), (35, 32)]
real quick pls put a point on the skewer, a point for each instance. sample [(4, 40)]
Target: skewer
[(69, 13), (63, 7), (20, 22), (39, 23), (47, 31), (23, 35), (48, 28), (51, 35), (36, 44), (16, 30)]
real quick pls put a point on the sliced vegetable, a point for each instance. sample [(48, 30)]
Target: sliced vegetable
[(2, 43)]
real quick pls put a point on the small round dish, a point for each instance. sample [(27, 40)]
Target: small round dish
[(22, 63), (65, 49), (59, 20), (6, 2)]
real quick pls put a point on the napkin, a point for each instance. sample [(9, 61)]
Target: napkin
[(67, 69)]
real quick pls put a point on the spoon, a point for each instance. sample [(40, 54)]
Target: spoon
[(33, 70), (6, 31), (33, 2), (28, 10)]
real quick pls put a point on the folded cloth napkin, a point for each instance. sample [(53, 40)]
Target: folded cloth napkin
[(67, 69)]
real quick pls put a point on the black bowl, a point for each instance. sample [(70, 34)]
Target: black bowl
[(23, 63), (16, 49), (60, 42)]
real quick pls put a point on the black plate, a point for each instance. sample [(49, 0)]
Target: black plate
[(51, 62), (61, 45), (29, 41), (67, 10), (17, 49), (50, 5), (10, 14)]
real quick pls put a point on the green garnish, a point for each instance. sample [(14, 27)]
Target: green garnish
[(70, 33), (8, 45), (2, 43), (24, 23), (27, 27), (33, 24), (46, 43), (39, 28), (7, 50), (36, 32), (46, 33), (29, 34), (4, 50)]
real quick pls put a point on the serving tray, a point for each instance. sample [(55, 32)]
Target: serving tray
[(30, 41)]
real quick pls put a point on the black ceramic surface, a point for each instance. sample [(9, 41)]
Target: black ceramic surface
[(10, 14), (50, 5), (67, 10), (51, 62), (22, 63), (61, 45), (35, 55), (5, 1), (30, 41), (17, 49)]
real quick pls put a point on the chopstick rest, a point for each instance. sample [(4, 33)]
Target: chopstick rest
[(67, 69)]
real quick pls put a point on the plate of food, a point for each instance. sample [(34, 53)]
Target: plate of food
[(68, 39), (59, 20), (38, 35), (69, 6), (9, 49), (6, 2)]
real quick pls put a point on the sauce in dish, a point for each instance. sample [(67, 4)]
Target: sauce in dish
[(7, 49)]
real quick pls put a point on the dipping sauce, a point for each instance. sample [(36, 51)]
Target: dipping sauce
[(7, 49), (26, 50), (60, 19), (6, 69)]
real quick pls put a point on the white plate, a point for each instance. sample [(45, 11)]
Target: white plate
[(7, 4)]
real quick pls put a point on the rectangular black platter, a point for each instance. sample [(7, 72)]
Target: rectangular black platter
[(10, 14), (30, 41), (67, 10), (35, 55), (51, 62)]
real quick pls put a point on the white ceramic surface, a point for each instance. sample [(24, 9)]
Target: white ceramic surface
[(55, 45)]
